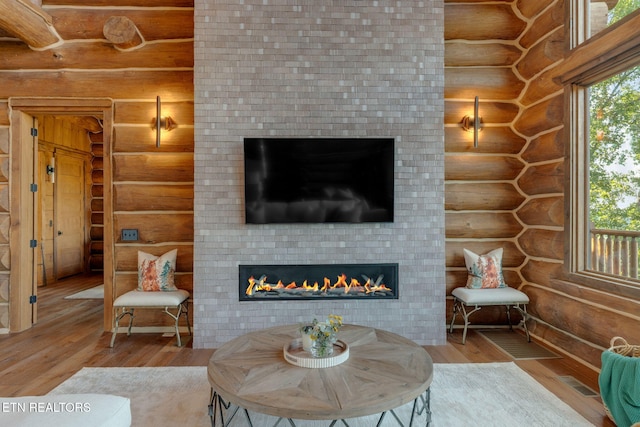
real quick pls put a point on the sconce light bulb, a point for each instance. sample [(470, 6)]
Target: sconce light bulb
[(166, 123), (468, 123)]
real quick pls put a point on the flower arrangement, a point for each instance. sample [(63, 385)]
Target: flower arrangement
[(322, 335)]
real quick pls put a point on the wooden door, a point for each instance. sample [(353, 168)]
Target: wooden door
[(69, 194)]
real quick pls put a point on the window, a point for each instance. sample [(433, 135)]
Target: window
[(603, 192), (614, 175)]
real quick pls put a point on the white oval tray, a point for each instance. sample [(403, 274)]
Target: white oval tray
[(296, 355)]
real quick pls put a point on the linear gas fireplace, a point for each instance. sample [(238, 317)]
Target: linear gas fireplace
[(318, 281)]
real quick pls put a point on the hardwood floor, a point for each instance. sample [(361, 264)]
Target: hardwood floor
[(69, 336)]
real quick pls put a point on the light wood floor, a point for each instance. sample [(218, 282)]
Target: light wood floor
[(69, 336)]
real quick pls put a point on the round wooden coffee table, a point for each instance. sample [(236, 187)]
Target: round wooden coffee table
[(384, 371)]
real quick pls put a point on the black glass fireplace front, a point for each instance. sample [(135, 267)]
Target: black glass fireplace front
[(317, 281)]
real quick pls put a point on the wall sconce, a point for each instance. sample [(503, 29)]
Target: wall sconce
[(473, 124), (161, 123), (51, 170)]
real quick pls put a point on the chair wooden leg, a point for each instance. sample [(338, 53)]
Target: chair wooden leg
[(185, 311), (453, 315), (117, 318), (523, 313), (176, 318), (466, 315)]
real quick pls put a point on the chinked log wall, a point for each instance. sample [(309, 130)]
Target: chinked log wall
[(152, 188), (481, 195), (509, 192)]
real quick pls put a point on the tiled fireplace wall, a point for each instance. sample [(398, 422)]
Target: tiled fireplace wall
[(319, 68)]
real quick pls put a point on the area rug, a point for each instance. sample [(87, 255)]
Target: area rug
[(96, 292), (517, 346), (483, 394)]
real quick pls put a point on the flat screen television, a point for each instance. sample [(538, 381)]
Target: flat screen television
[(317, 180)]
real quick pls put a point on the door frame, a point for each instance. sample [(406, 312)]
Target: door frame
[(22, 227), (21, 231)]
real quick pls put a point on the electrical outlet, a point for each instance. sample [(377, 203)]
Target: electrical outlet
[(129, 234)]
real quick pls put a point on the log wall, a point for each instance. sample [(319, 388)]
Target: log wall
[(482, 195), (509, 192), (152, 188)]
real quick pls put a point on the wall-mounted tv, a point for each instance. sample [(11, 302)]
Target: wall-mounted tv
[(317, 180)]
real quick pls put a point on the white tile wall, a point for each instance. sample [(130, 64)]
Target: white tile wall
[(324, 68)]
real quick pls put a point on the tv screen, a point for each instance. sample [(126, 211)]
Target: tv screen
[(293, 180)]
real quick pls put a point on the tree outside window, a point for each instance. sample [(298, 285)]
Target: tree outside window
[(614, 168)]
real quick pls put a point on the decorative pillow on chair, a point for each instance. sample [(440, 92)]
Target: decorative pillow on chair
[(485, 271), (157, 273)]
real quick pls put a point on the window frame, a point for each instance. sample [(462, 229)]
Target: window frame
[(607, 53)]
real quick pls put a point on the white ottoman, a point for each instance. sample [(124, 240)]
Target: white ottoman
[(477, 298), (165, 300)]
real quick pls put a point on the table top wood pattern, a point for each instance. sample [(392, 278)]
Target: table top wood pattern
[(384, 371)]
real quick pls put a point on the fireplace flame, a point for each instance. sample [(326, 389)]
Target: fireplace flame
[(327, 284), (340, 286), (342, 281)]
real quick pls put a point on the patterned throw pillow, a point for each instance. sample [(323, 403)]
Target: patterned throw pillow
[(485, 271), (157, 273)]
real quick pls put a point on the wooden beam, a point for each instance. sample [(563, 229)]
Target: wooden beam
[(170, 84), (96, 55), (29, 23)]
